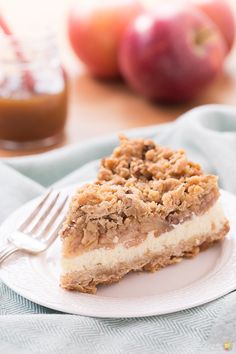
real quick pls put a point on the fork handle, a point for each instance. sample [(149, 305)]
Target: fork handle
[(6, 251)]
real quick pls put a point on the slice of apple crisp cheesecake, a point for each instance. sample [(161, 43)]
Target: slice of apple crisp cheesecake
[(149, 207)]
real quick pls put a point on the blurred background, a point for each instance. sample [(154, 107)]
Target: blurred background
[(98, 106)]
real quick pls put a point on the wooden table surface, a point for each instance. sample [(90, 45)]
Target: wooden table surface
[(96, 107)]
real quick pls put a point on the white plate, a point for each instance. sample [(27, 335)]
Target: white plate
[(187, 284)]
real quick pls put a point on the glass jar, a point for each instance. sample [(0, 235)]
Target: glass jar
[(33, 92)]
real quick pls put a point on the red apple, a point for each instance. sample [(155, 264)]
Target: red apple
[(222, 15), (172, 53), (95, 31)]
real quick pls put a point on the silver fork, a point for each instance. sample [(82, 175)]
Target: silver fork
[(39, 230)]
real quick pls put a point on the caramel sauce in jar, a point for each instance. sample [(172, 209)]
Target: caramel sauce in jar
[(31, 119), (34, 115)]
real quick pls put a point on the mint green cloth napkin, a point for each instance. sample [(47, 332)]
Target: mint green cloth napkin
[(208, 134)]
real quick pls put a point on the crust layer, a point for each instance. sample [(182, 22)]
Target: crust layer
[(87, 281)]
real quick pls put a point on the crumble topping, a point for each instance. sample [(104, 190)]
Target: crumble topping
[(140, 186), (144, 160)]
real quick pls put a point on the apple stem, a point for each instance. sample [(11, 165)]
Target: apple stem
[(27, 76)]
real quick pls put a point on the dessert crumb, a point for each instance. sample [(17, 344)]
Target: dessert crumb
[(228, 345)]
